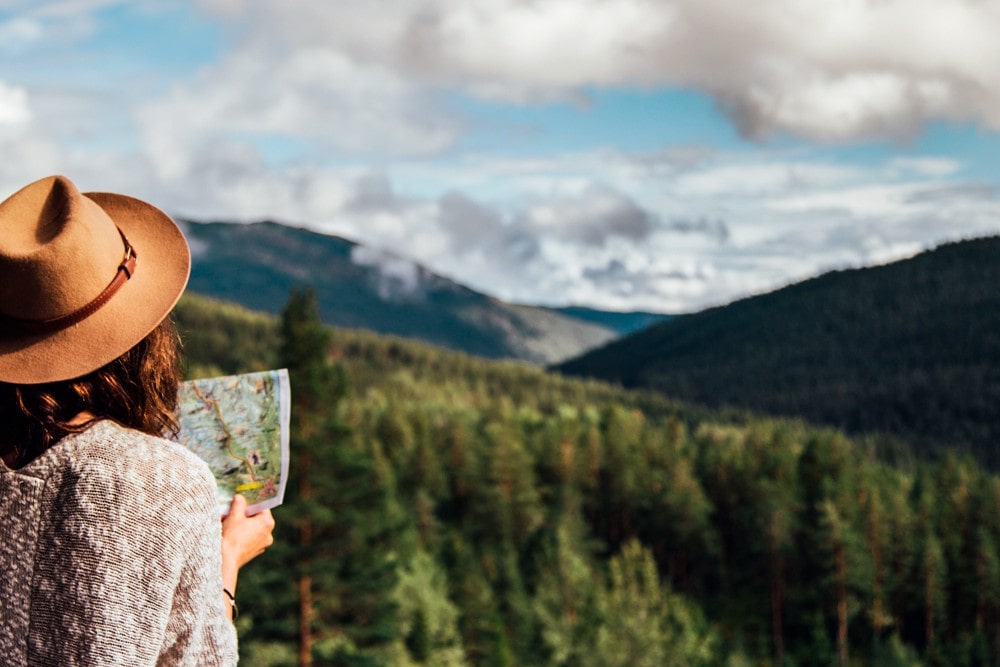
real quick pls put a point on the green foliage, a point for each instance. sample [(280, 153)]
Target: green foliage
[(566, 599), (428, 620), (447, 510), (644, 624), (222, 338)]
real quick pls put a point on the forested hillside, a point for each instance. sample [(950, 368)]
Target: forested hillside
[(448, 510), (911, 349)]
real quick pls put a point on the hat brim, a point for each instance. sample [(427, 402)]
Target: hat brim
[(162, 269)]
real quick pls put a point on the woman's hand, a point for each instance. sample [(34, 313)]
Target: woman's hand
[(243, 539)]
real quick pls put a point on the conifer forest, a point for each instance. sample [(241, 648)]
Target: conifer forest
[(448, 510)]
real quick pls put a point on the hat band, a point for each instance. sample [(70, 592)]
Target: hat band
[(125, 271)]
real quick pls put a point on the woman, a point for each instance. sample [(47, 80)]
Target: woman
[(111, 543)]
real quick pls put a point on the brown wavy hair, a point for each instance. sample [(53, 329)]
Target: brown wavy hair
[(137, 390)]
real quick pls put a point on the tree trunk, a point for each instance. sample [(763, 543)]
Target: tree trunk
[(980, 603), (878, 604), (305, 621), (996, 633), (929, 610), (777, 599), (841, 564), (305, 581)]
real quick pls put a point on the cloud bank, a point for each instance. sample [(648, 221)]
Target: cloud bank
[(347, 117), (822, 70)]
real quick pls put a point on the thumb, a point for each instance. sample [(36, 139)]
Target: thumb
[(238, 506)]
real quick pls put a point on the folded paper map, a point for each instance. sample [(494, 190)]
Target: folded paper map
[(239, 425)]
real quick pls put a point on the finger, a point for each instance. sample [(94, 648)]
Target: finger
[(238, 506)]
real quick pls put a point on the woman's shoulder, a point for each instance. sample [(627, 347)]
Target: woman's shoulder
[(124, 462), (117, 446)]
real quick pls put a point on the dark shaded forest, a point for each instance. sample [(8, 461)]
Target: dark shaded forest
[(909, 349), (449, 510)]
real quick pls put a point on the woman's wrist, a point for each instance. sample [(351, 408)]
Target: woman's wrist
[(231, 609), (230, 571)]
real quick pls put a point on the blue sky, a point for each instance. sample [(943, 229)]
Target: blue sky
[(666, 155)]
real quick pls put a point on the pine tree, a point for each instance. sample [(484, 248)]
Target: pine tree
[(510, 495), (875, 528), (834, 547), (564, 601), (346, 526), (316, 388), (644, 623), (480, 621), (428, 618), (930, 578)]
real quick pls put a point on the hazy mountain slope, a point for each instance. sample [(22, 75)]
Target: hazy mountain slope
[(910, 348), (624, 323), (256, 265)]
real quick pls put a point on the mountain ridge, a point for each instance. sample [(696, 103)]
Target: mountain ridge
[(910, 348), (358, 286)]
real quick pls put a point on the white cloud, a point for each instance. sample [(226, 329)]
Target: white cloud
[(14, 107), (353, 78), (18, 33), (398, 277), (926, 166), (278, 82), (66, 9), (737, 177), (47, 27), (591, 218), (823, 70)]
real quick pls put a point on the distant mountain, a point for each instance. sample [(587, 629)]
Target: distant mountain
[(910, 349), (622, 322), (256, 265)]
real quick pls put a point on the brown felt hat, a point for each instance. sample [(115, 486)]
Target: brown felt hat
[(83, 278)]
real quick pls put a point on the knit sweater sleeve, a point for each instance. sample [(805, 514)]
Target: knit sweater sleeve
[(198, 631), (128, 570)]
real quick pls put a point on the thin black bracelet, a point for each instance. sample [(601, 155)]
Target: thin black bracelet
[(232, 602)]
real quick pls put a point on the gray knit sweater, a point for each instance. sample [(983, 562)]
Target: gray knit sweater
[(111, 555)]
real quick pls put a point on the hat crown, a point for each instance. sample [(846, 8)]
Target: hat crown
[(58, 250), (72, 299)]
